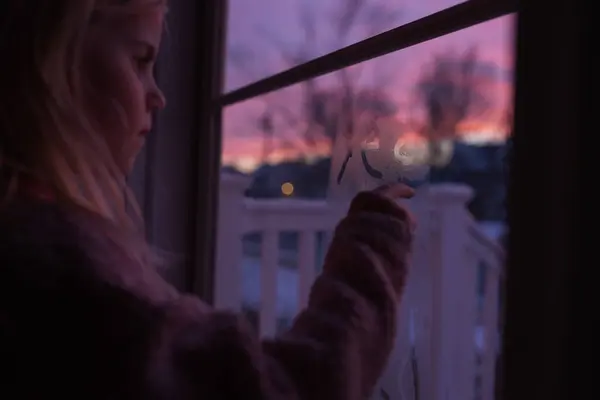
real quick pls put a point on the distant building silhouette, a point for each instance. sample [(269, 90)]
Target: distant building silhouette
[(481, 167)]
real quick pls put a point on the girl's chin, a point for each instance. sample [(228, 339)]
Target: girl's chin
[(130, 165), (130, 161)]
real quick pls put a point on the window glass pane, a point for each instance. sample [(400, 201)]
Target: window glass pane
[(447, 103), (268, 36)]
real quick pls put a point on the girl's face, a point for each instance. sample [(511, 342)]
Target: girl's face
[(120, 91)]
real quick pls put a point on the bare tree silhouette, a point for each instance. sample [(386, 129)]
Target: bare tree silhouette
[(451, 89), (323, 112)]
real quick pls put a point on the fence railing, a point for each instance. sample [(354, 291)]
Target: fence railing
[(448, 321)]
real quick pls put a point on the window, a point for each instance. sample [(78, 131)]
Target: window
[(441, 81)]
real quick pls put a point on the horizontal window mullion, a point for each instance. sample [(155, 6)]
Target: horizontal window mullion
[(444, 22)]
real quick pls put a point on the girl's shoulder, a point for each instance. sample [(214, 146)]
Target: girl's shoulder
[(34, 229), (40, 252), (42, 242)]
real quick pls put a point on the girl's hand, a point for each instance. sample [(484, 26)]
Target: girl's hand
[(377, 235), (384, 200)]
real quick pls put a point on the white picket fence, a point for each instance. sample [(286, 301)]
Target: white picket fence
[(448, 335)]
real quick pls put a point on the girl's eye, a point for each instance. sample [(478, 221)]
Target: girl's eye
[(144, 62), (144, 56)]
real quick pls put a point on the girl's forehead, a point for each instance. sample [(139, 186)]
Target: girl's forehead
[(151, 12), (151, 20), (155, 16), (148, 24)]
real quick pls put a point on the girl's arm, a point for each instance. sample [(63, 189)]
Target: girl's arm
[(336, 349)]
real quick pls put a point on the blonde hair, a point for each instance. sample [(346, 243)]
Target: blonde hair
[(45, 134)]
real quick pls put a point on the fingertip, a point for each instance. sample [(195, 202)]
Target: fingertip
[(396, 191), (410, 192)]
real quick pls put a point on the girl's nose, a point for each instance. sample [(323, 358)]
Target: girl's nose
[(156, 100)]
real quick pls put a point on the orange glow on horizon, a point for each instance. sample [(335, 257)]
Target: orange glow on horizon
[(245, 153)]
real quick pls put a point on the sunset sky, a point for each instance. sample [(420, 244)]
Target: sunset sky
[(260, 31)]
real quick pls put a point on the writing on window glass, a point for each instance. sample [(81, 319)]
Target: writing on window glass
[(391, 150)]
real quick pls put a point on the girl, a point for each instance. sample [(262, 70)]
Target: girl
[(82, 312)]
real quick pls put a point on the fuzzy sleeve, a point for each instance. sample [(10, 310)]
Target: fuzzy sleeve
[(337, 347)]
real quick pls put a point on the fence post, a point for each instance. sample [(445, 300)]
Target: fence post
[(228, 277), (453, 295)]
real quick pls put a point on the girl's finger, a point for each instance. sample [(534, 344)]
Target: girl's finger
[(395, 191)]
